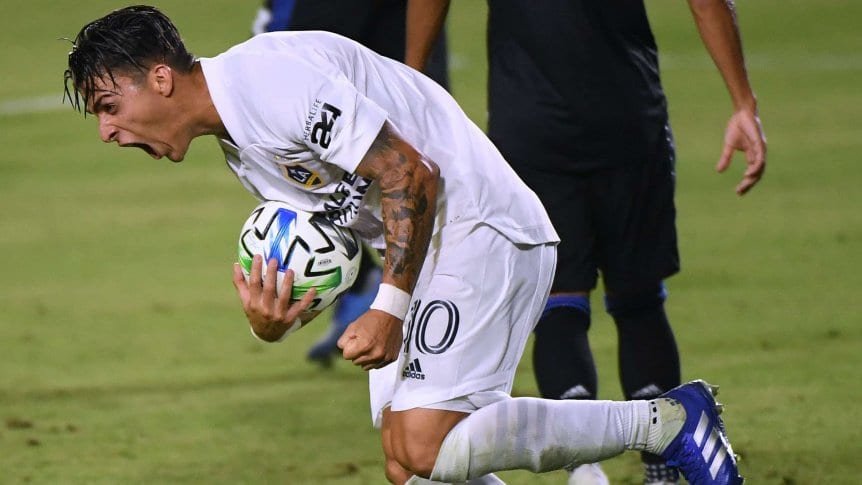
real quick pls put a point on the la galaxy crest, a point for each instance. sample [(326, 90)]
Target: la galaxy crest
[(300, 175)]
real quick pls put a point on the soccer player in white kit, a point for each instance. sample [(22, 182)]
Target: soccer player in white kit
[(324, 124)]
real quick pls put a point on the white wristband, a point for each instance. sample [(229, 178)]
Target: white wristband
[(392, 300), (297, 324)]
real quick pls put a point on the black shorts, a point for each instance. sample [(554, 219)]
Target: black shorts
[(618, 220)]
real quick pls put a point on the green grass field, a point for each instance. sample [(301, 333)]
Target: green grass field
[(125, 358)]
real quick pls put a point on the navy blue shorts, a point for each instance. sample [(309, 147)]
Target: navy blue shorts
[(620, 221)]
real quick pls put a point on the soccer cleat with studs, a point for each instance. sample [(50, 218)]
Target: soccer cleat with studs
[(701, 449)]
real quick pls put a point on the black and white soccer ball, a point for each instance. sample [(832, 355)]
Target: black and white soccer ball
[(322, 255)]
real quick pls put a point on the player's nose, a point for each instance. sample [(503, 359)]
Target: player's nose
[(107, 132)]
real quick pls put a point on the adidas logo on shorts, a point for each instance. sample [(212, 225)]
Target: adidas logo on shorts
[(413, 371)]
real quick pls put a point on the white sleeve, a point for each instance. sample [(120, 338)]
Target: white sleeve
[(319, 108)]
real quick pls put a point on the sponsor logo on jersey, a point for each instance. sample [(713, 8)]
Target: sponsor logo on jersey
[(320, 122), (421, 327), (310, 117), (413, 371), (343, 204)]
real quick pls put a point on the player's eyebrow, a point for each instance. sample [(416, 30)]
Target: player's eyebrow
[(94, 107), (97, 101)]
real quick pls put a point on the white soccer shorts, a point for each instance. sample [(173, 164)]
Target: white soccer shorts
[(477, 299)]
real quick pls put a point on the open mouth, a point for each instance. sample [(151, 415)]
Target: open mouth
[(144, 147)]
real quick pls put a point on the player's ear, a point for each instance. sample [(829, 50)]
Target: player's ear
[(161, 77)]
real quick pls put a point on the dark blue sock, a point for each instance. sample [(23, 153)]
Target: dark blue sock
[(648, 356), (562, 360)]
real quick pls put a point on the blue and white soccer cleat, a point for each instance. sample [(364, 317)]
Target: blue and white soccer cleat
[(701, 450)]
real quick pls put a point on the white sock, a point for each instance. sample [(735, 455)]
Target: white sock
[(667, 417), (540, 435), (489, 479)]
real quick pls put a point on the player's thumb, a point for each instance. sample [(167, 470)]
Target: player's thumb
[(724, 159)]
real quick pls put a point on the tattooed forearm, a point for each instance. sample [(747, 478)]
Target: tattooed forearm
[(408, 187)]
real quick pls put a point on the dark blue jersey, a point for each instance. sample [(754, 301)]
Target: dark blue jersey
[(574, 84), (377, 24)]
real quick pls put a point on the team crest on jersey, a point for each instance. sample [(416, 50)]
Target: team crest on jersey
[(301, 175), (320, 122)]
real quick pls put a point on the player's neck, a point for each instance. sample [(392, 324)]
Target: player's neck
[(197, 105)]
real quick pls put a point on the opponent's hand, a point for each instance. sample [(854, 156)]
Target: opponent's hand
[(270, 316), (744, 133), (372, 340)]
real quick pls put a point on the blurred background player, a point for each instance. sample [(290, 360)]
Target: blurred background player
[(381, 26), (576, 106)]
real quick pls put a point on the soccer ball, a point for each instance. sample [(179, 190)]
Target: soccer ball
[(322, 255)]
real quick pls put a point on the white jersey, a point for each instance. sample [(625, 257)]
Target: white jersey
[(302, 109)]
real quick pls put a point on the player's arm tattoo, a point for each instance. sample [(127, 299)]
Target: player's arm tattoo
[(408, 187)]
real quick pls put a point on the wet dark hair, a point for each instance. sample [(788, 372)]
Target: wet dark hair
[(126, 41)]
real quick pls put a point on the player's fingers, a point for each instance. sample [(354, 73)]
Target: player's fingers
[(724, 159), (307, 300), (750, 179), (745, 185), (373, 356), (254, 276), (240, 284), (366, 360), (379, 364), (756, 166), (285, 293), (269, 281), (293, 309), (345, 338), (756, 152), (351, 345), (350, 348)]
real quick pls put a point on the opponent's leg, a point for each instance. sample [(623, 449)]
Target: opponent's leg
[(648, 358), (563, 363), (562, 359)]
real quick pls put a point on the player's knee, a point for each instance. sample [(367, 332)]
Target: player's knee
[(634, 302), (577, 301), (417, 435), (417, 456), (396, 473)]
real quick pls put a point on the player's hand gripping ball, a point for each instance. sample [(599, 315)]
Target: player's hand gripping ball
[(322, 255)]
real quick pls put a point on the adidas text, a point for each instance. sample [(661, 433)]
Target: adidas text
[(413, 371)]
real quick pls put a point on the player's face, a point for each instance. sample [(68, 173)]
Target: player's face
[(139, 112)]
